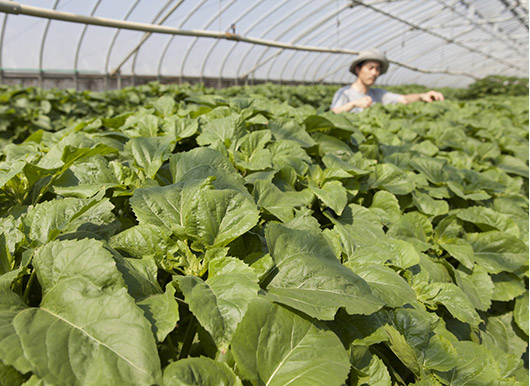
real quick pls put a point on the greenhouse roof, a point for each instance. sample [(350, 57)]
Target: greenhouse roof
[(434, 42)]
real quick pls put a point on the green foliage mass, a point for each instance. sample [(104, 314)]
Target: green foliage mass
[(170, 235)]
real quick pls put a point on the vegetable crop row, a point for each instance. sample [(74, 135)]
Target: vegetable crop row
[(164, 235)]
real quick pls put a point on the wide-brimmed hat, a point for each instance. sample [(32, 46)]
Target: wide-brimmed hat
[(371, 54)]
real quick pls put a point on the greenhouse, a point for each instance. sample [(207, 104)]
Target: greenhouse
[(264, 193)]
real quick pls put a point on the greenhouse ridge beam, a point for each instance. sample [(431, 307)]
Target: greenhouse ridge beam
[(426, 30), (16, 8)]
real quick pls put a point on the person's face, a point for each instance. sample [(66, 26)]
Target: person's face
[(369, 72)]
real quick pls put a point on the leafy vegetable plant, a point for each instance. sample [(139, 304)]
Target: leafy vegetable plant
[(164, 235)]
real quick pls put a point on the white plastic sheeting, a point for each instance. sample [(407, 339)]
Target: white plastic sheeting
[(430, 41)]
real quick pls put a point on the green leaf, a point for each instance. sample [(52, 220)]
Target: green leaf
[(9, 376), (384, 251), (507, 286), (226, 130), (100, 336), (220, 302), (162, 311), (332, 194), (354, 164), (455, 300), (476, 366), (402, 349), (164, 105), (486, 219), (291, 154), (375, 374), (513, 165), (180, 127), (165, 207), (217, 217), (11, 350), (432, 168), (285, 128), (429, 206), (498, 251), (252, 154), (440, 354), (477, 285), (201, 163), (141, 124), (386, 206), (391, 178), (150, 153), (500, 334), (520, 312), (278, 203), (276, 347), (6, 176), (414, 228), (386, 284), (460, 249), (141, 240), (311, 279), (200, 371), (45, 221)]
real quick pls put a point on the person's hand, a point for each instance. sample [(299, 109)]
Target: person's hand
[(431, 96), (363, 102)]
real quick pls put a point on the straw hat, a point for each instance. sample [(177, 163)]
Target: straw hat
[(371, 54)]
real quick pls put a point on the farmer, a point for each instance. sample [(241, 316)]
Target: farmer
[(367, 67)]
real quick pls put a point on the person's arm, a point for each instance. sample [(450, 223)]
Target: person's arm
[(429, 96), (361, 103)]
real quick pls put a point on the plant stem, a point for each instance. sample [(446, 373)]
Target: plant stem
[(172, 347), (28, 286), (188, 339)]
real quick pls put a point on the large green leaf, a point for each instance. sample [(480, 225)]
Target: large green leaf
[(429, 206), (507, 286), (9, 376), (476, 366), (414, 228), (277, 347), (251, 154), (375, 373), (384, 250), (487, 219), (213, 217), (520, 312), (141, 240), (391, 178), (497, 251), (289, 153), (201, 163), (220, 302), (454, 299), (100, 336), (149, 153), (278, 203), (165, 207), (200, 371), (162, 311), (45, 221), (386, 284), (386, 206), (284, 128), (332, 194), (477, 285), (226, 130), (309, 277), (216, 217)]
